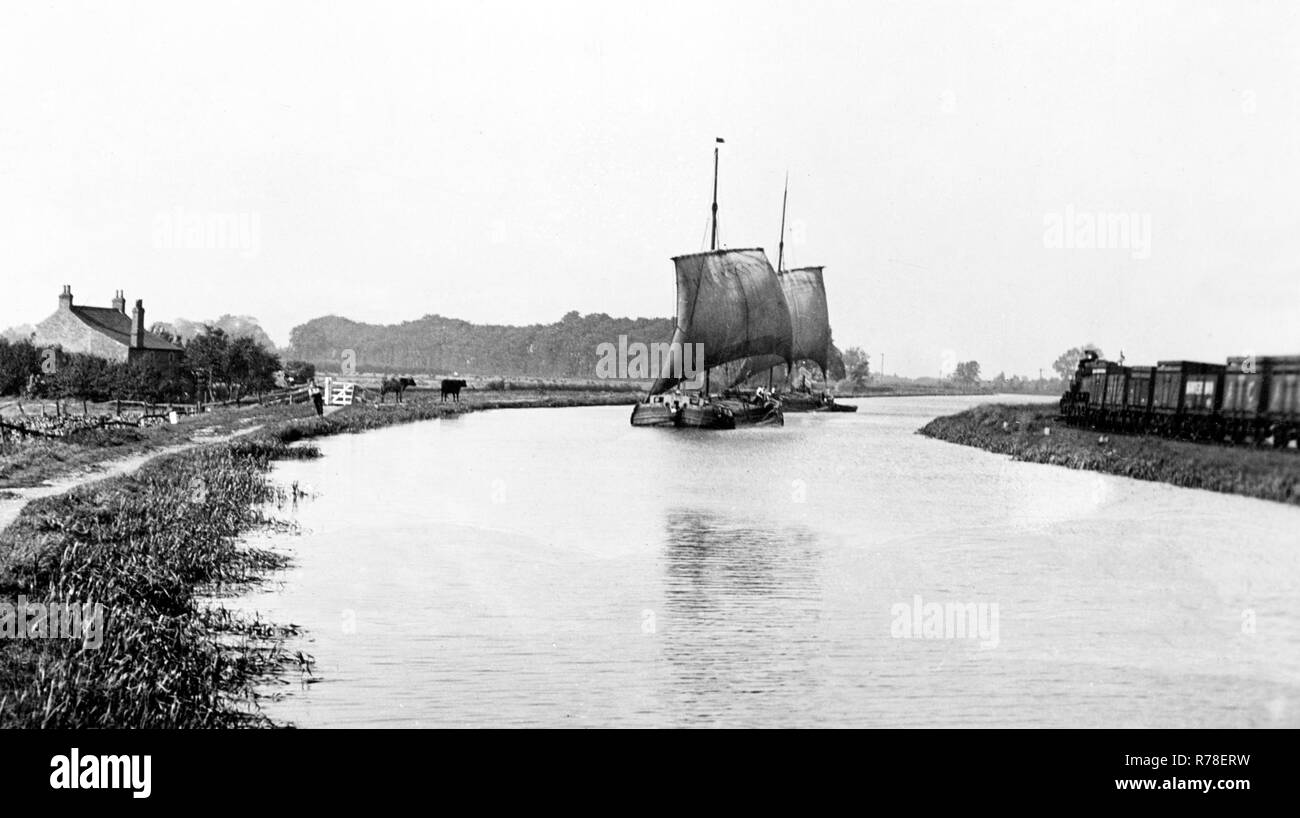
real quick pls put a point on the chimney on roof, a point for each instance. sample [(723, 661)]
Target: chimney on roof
[(119, 301), (137, 325), (65, 297)]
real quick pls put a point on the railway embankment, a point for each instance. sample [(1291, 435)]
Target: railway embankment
[(1034, 434)]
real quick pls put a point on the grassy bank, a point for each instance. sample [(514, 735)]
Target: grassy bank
[(1263, 473), (39, 460), (143, 547), (150, 547), (903, 392), (34, 461)]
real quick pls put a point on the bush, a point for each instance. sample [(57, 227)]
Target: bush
[(299, 372), (19, 361)]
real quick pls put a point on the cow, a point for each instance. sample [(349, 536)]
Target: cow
[(452, 386), (395, 385)]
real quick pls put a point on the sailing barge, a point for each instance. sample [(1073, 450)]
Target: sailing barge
[(730, 303), (804, 290)]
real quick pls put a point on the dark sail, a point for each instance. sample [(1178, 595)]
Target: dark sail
[(732, 303), (804, 290), (805, 295)]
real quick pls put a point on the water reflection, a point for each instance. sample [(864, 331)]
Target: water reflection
[(742, 611), (710, 555)]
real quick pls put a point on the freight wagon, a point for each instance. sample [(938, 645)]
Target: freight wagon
[(1255, 399)]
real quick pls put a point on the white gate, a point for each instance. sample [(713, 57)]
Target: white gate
[(339, 393)]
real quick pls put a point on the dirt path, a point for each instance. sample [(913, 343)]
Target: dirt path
[(13, 500)]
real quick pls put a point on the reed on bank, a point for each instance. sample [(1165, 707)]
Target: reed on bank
[(142, 548), (152, 548)]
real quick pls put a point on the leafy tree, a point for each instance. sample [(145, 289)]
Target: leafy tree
[(250, 367), (241, 364), (207, 351), (19, 361), (967, 372), (857, 366), (82, 377), (1069, 360), (147, 380)]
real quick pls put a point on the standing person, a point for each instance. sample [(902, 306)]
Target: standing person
[(317, 399)]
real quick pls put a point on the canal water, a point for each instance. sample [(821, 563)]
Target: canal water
[(556, 567)]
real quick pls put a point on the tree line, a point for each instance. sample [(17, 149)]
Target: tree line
[(438, 345)]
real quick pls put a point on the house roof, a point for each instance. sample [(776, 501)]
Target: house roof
[(117, 325)]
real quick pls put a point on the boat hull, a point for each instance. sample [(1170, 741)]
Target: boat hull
[(748, 414), (705, 415), (800, 402), (653, 414), (685, 414), (694, 413)]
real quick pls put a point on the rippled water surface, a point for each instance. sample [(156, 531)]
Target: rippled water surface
[(552, 567)]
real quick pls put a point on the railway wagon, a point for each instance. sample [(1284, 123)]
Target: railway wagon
[(1138, 391), (1185, 399), (1245, 398), (1098, 376), (1248, 398), (1282, 379), (1115, 389)]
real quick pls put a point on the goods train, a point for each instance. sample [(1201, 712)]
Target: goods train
[(1250, 398)]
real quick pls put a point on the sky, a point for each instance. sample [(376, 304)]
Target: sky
[(509, 162)]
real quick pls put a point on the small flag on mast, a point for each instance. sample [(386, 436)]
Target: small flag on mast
[(721, 141)]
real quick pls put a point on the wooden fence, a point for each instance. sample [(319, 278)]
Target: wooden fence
[(334, 393)]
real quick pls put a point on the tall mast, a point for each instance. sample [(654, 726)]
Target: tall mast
[(780, 259), (780, 252), (713, 242)]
